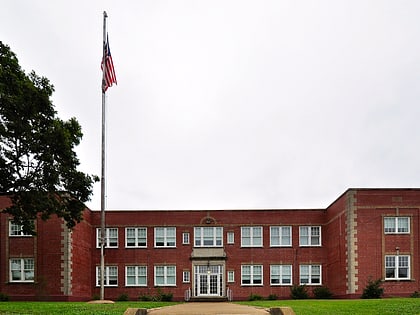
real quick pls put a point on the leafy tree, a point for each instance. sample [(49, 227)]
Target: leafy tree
[(38, 165)]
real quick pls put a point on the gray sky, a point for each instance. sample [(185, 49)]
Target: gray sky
[(233, 104)]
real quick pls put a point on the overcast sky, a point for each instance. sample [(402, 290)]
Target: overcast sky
[(233, 104)]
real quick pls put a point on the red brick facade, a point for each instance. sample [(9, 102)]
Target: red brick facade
[(364, 234)]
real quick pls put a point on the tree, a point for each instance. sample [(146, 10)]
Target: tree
[(373, 289), (38, 165)]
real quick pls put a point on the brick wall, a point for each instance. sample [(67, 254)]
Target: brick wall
[(374, 244), (353, 248)]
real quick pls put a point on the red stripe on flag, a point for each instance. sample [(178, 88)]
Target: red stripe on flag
[(109, 77)]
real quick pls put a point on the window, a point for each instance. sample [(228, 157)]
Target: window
[(16, 230), (185, 238), (110, 276), (397, 267), (136, 237), (281, 274), (208, 236), (252, 275), (310, 236), (231, 276), (136, 276), (22, 270), (165, 276), (111, 237), (280, 236), (186, 276), (230, 237), (310, 274), (251, 236), (397, 225), (165, 236)]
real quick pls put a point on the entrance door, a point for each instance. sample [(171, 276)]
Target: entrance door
[(208, 280)]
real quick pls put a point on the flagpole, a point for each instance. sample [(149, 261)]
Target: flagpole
[(102, 274)]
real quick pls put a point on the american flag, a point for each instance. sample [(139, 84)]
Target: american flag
[(108, 77)]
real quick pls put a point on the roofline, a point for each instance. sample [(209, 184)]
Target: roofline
[(366, 188), (209, 210), (259, 209)]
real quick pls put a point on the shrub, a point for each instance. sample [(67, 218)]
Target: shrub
[(299, 292), (123, 297), (162, 296), (373, 289), (145, 297), (4, 297), (255, 297), (272, 297), (166, 297), (415, 294), (322, 293), (96, 297)]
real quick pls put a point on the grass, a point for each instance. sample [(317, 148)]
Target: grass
[(68, 308), (393, 306), (397, 306)]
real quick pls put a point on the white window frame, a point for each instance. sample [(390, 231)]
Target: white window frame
[(140, 272), (215, 236), (111, 275), (110, 241), (167, 237), (311, 275), (15, 230), (253, 276), (166, 275), (231, 276), (310, 236), (284, 273), (25, 267), (279, 237), (186, 276), (138, 237), (252, 236), (396, 229), (230, 237), (186, 238), (397, 265)]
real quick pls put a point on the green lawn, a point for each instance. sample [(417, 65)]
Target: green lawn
[(409, 306), (66, 308)]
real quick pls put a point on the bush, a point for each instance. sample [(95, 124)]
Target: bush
[(373, 289), (145, 297), (96, 297), (415, 294), (123, 297), (161, 296), (322, 293), (272, 297), (4, 297), (255, 297), (166, 297), (299, 292)]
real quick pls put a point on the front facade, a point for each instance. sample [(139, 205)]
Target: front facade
[(228, 254)]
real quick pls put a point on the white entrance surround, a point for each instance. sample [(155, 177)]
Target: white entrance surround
[(209, 272), (208, 280)]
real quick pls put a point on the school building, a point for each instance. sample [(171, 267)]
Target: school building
[(220, 254)]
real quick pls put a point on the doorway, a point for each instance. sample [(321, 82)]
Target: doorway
[(208, 280)]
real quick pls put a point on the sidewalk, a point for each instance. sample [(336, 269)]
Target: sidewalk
[(205, 308)]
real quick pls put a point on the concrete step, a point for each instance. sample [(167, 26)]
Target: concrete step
[(209, 299)]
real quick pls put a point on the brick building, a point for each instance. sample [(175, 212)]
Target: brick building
[(365, 233)]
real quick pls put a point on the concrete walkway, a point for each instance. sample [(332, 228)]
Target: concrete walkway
[(208, 309)]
